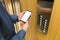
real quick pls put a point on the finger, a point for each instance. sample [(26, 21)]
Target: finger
[(22, 12), (27, 22), (22, 23), (20, 15)]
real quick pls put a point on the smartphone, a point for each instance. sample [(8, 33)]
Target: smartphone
[(26, 16)]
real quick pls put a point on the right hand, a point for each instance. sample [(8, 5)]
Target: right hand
[(25, 26)]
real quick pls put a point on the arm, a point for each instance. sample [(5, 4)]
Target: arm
[(14, 18), (19, 36)]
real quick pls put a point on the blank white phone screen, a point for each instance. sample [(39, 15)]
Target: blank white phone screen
[(26, 16)]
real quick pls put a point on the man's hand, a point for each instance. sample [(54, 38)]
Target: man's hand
[(20, 15), (24, 26)]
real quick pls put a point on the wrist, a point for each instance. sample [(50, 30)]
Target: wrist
[(18, 18), (24, 29)]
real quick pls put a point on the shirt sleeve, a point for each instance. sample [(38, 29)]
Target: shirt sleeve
[(19, 36), (14, 18), (1, 37)]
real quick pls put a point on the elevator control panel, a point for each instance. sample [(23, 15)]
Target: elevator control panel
[(43, 20)]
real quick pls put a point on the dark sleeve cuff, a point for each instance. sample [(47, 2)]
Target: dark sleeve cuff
[(14, 18), (19, 36), (22, 33)]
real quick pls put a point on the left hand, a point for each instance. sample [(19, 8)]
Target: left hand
[(20, 15)]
